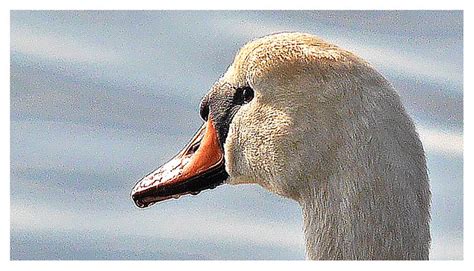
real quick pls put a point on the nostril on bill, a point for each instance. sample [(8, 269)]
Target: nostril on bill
[(194, 148)]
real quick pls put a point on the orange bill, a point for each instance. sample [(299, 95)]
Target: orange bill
[(199, 166)]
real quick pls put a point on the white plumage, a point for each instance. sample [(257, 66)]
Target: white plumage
[(328, 131)]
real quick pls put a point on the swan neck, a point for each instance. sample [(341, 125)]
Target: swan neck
[(376, 216)]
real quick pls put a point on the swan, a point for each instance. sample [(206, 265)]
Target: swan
[(310, 121)]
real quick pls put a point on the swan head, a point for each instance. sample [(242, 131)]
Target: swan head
[(284, 139), (272, 119), (310, 121)]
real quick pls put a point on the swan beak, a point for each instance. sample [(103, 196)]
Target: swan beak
[(199, 166)]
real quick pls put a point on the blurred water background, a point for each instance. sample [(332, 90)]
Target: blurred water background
[(100, 98)]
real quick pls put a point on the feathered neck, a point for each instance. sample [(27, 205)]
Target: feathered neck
[(373, 200)]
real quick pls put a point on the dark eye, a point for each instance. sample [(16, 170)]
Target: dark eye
[(247, 93)]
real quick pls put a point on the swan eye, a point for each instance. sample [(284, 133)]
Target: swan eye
[(247, 93)]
